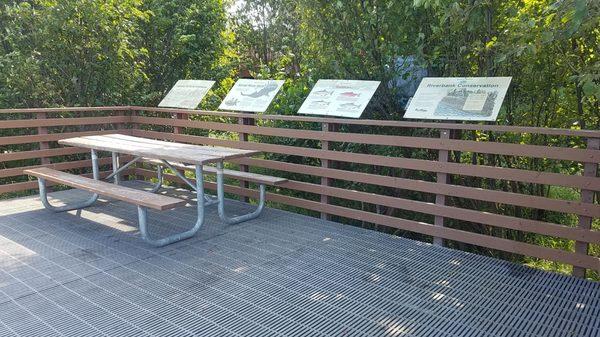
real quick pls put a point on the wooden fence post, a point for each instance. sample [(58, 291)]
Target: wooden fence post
[(243, 137), (587, 196), (116, 158), (135, 126), (326, 163), (442, 178), (179, 130), (42, 130)]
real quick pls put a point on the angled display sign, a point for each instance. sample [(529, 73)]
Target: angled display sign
[(251, 95), (340, 98), (186, 94), (458, 98)]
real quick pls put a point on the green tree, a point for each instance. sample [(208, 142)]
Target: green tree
[(184, 40), (70, 52)]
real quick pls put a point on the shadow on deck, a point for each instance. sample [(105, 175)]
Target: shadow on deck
[(280, 275)]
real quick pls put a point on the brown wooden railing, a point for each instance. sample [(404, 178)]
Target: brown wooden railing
[(324, 164), (30, 136)]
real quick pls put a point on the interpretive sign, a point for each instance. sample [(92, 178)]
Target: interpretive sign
[(342, 98), (186, 94), (251, 95), (458, 98)]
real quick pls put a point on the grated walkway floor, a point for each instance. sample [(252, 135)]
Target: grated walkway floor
[(283, 274)]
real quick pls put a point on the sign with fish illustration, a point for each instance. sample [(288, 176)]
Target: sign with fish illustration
[(343, 98), (186, 94), (458, 98), (251, 95)]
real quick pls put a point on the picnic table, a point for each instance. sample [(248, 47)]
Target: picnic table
[(169, 154)]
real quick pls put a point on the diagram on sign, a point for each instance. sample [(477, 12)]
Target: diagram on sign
[(471, 98), (251, 95), (186, 94), (344, 98)]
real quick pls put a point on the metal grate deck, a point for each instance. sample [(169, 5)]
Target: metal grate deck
[(283, 274)]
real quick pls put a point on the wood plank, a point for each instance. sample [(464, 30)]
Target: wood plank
[(18, 171), (187, 153), (390, 123), (533, 151), (53, 137), (474, 216), (35, 154), (480, 240), (67, 109), (491, 219), (33, 185), (590, 169), (545, 178), (49, 122), (130, 195), (441, 178), (475, 193), (247, 176)]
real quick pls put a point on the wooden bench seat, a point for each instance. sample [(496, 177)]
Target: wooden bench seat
[(144, 200), (247, 176), (126, 194)]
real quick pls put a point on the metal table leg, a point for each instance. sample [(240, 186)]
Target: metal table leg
[(80, 205), (159, 176), (143, 217), (221, 199), (115, 167)]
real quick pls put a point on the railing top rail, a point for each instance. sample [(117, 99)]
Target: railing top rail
[(68, 109), (370, 122), (390, 123)]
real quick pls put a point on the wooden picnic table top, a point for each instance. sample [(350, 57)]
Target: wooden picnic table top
[(156, 149)]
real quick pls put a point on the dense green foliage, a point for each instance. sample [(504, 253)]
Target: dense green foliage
[(98, 52), (550, 48), (104, 52)]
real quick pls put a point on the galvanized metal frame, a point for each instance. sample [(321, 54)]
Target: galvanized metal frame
[(142, 211), (80, 205), (221, 198), (160, 174), (143, 217)]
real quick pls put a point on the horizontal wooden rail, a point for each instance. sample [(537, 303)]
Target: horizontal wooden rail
[(546, 178), (386, 123), (49, 122), (53, 137), (535, 151), (481, 240), (485, 218), (18, 171), (56, 152), (501, 197), (69, 109), (33, 185), (140, 118)]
